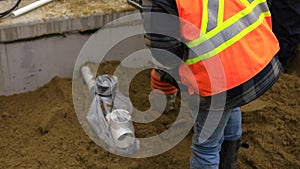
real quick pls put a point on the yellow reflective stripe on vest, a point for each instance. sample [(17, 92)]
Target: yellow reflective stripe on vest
[(227, 43), (203, 25), (221, 12), (222, 25), (239, 16), (228, 32), (215, 14), (245, 2)]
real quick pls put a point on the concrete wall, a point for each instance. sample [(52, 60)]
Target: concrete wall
[(26, 65), (30, 62)]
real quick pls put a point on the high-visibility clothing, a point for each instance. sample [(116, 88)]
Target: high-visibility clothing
[(230, 42)]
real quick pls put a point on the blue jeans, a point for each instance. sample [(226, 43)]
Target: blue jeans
[(211, 128)]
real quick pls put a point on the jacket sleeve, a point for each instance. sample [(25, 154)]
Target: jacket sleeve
[(162, 31)]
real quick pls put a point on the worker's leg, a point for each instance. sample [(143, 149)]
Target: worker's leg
[(233, 129), (231, 143), (205, 152)]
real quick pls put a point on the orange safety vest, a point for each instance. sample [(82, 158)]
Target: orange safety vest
[(232, 39)]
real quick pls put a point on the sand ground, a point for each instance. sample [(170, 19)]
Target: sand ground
[(40, 129)]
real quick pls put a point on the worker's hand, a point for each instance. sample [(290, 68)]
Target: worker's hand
[(173, 79), (163, 86), (166, 77)]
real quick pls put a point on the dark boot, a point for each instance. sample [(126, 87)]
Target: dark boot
[(228, 154)]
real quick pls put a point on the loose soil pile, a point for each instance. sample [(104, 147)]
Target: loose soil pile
[(40, 129)]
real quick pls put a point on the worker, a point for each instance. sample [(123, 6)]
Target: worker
[(286, 26), (230, 50)]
